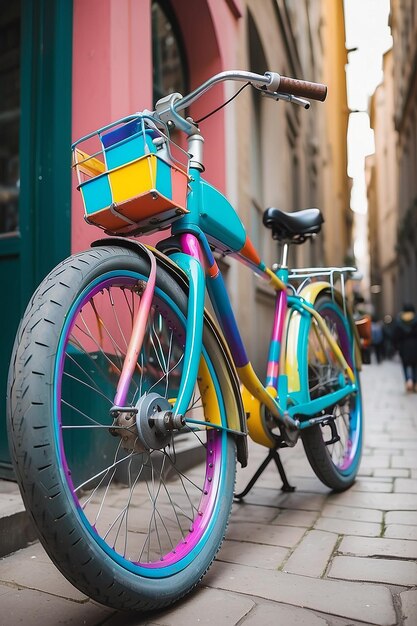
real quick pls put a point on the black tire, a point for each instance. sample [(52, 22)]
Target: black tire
[(60, 483), (337, 464)]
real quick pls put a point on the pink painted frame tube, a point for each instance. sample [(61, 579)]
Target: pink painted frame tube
[(136, 339), (276, 340)]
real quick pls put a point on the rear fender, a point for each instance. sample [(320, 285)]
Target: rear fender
[(298, 325)]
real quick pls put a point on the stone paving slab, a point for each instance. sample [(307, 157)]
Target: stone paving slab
[(380, 501), (254, 555), (370, 603), (409, 607), (206, 606), (289, 558), (26, 606), (281, 614), (32, 568), (373, 485), (301, 501), (311, 556), (365, 472), (392, 473), (350, 513), (394, 572), (405, 485), (401, 531), (303, 519), (408, 461), (16, 529), (242, 512), (10, 504), (377, 461), (286, 536), (393, 548), (401, 517), (341, 526)]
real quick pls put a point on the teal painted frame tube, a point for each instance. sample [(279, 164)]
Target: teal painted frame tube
[(292, 404), (312, 407), (194, 329), (300, 403)]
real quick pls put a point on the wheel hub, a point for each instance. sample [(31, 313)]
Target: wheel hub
[(148, 425)]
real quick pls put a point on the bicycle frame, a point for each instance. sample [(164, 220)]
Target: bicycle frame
[(283, 394)]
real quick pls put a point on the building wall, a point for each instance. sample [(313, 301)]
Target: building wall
[(404, 31), (259, 152), (300, 157), (383, 195), (112, 73), (338, 214)]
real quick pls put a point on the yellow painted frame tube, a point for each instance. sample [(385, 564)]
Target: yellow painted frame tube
[(308, 297)]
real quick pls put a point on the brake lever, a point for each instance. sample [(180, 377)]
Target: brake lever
[(166, 112), (275, 95)]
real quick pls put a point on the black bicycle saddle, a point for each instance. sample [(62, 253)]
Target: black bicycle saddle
[(293, 227)]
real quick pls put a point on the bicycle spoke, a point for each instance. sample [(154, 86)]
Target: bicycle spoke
[(107, 487), (116, 317), (76, 343), (81, 382), (77, 410), (146, 509), (103, 327), (324, 374), (94, 384), (102, 472), (100, 349)]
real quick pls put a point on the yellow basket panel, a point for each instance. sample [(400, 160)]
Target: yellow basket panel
[(133, 179)]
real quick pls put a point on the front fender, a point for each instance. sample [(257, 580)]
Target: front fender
[(229, 382)]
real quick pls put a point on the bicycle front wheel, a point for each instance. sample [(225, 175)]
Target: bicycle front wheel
[(335, 464), (132, 517)]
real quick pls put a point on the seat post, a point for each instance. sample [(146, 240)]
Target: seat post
[(284, 256)]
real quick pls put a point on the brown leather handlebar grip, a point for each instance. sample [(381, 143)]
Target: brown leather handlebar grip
[(302, 88)]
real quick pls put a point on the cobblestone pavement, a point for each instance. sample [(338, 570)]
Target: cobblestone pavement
[(307, 558)]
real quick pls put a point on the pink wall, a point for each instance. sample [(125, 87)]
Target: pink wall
[(112, 73)]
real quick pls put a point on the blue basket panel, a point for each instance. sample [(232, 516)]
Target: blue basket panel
[(122, 132), (96, 193), (123, 145), (163, 179)]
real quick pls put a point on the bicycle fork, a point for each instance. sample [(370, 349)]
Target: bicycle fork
[(194, 337), (136, 339)]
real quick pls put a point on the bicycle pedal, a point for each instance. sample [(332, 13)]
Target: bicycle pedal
[(335, 435)]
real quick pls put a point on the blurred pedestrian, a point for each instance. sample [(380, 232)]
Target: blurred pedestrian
[(389, 349), (363, 325), (404, 337), (377, 339)]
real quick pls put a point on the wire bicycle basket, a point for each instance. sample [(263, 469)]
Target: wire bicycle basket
[(132, 177)]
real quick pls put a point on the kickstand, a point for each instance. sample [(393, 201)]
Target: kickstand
[(272, 456)]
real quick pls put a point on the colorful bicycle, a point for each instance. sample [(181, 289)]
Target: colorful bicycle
[(129, 403)]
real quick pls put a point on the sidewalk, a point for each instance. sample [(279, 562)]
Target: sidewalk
[(308, 558)]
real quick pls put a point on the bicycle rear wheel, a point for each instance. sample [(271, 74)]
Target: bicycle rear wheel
[(335, 464), (132, 517)]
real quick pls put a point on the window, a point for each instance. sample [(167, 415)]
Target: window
[(9, 116), (169, 62), (260, 236)]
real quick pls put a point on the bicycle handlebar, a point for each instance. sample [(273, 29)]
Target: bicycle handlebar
[(303, 88), (270, 81), (242, 76), (271, 84)]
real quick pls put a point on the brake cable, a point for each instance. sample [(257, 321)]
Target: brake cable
[(222, 105)]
